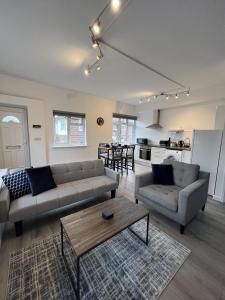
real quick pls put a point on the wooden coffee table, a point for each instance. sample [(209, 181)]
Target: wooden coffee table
[(86, 229)]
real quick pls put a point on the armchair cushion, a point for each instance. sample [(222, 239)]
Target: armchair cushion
[(162, 174), (164, 195)]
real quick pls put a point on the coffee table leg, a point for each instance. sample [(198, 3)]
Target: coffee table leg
[(147, 229), (62, 239), (78, 278)]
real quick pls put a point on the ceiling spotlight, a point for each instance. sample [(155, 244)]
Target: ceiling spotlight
[(188, 93), (98, 68), (115, 5), (155, 97), (167, 97), (176, 96), (98, 57), (96, 27), (94, 43), (87, 71)]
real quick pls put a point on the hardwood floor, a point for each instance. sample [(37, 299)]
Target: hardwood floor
[(201, 277)]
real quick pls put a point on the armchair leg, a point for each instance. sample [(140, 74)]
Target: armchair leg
[(136, 201), (182, 229), (203, 207), (19, 228), (113, 194)]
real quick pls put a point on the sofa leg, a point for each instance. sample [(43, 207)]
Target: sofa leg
[(113, 193), (181, 229), (203, 207), (136, 201), (19, 228)]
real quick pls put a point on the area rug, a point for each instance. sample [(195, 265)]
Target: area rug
[(119, 269)]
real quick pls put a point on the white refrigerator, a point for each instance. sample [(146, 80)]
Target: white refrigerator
[(206, 148)]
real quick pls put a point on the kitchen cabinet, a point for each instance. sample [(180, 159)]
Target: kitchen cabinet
[(157, 155), (186, 156)]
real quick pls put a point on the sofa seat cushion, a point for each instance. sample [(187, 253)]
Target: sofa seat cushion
[(77, 190), (164, 195), (64, 194), (22, 208)]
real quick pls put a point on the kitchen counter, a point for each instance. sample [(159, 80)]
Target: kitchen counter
[(165, 147)]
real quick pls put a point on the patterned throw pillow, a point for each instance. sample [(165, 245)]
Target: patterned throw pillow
[(17, 184)]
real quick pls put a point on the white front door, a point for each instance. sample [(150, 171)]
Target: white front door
[(14, 151)]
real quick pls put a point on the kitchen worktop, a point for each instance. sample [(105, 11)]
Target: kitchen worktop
[(166, 147)]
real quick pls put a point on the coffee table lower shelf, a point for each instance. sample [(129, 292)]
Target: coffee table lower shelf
[(77, 287)]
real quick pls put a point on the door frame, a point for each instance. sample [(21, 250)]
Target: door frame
[(26, 128)]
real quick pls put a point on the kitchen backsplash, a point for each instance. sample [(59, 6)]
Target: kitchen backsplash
[(154, 135)]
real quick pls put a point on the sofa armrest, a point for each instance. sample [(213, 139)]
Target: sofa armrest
[(112, 174), (4, 204), (143, 180), (191, 199)]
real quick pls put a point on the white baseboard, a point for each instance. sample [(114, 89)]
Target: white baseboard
[(217, 198)]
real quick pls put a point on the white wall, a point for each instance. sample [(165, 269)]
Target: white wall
[(42, 99), (199, 116)]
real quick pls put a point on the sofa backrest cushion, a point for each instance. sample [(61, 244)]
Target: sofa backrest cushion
[(68, 172), (183, 173)]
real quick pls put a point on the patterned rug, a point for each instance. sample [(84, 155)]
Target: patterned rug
[(121, 268)]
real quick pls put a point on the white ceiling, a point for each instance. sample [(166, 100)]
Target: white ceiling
[(48, 41)]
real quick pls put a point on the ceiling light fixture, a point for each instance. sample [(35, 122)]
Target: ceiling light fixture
[(96, 27), (87, 71), (98, 68), (94, 42), (166, 96), (115, 4)]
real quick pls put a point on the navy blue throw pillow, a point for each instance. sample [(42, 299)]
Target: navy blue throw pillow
[(17, 184), (40, 179), (162, 174)]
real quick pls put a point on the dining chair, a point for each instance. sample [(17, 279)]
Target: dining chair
[(128, 158), (115, 158)]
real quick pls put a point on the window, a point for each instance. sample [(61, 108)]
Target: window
[(69, 129), (123, 129), (10, 119)]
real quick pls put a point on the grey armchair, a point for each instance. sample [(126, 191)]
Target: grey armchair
[(179, 202)]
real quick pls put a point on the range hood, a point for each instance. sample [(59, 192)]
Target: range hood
[(155, 117)]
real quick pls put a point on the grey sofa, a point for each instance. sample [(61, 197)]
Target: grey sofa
[(75, 182), (179, 202)]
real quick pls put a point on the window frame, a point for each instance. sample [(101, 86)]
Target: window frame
[(68, 116), (121, 122)]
